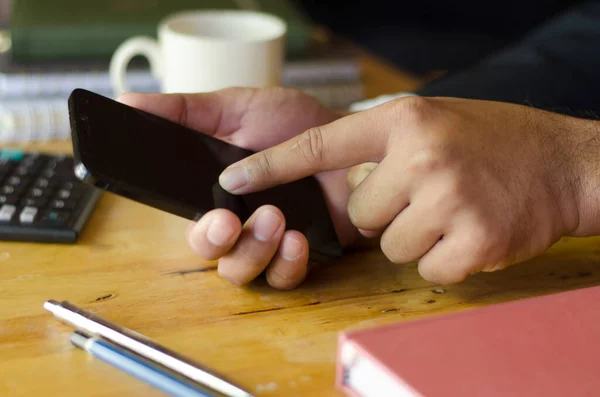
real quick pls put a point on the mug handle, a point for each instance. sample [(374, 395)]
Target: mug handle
[(141, 45)]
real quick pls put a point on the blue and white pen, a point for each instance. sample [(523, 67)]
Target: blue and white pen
[(139, 367), (92, 324)]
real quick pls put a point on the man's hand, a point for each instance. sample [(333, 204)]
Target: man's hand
[(255, 120), (460, 186)]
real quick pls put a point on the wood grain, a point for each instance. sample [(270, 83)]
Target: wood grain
[(132, 266)]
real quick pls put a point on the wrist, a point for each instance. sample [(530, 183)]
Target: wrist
[(580, 163)]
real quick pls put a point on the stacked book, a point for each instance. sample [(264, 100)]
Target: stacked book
[(54, 46)]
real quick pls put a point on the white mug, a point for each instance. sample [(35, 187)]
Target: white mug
[(201, 51)]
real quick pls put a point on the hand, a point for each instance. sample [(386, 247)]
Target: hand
[(255, 120), (461, 186)]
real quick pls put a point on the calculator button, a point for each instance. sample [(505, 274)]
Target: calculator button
[(68, 185), (42, 183), (46, 183), (28, 161), (6, 212), (6, 162), (8, 189), (58, 159), (9, 199), (55, 218), (32, 168), (14, 180), (63, 194), (22, 181), (23, 171), (48, 173), (35, 202), (62, 204), (42, 199), (57, 204), (36, 192), (28, 215), (12, 189), (31, 159), (11, 154), (52, 164), (66, 162)]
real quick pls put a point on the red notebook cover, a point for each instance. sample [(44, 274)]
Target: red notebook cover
[(543, 346)]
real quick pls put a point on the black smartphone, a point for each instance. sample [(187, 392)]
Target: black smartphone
[(173, 168)]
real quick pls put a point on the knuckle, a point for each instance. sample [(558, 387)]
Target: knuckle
[(358, 173), (253, 260), (426, 161), (413, 109), (311, 145), (261, 167), (453, 196), (436, 155), (490, 244)]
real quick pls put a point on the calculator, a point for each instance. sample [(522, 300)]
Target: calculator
[(41, 200)]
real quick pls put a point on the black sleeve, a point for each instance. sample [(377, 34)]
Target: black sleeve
[(556, 67)]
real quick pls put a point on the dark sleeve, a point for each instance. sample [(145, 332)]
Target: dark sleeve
[(556, 67)]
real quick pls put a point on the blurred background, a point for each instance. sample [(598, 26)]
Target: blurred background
[(50, 47), (5, 7)]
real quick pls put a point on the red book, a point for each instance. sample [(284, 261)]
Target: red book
[(544, 346)]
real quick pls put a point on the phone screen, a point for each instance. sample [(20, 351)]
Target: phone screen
[(169, 166)]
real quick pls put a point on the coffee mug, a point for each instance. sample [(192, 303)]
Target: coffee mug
[(201, 51)]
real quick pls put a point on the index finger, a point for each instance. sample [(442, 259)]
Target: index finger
[(351, 140)]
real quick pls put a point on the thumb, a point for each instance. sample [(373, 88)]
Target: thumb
[(358, 173), (211, 113), (348, 141)]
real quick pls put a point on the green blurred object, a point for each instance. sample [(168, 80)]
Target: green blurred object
[(48, 30)]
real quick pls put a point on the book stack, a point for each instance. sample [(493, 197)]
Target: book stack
[(54, 46)]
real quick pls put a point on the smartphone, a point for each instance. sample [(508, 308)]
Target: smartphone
[(173, 168)]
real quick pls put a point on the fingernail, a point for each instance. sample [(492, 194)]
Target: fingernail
[(266, 225), (291, 249), (219, 233), (233, 178)]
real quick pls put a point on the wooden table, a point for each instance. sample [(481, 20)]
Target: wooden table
[(132, 266)]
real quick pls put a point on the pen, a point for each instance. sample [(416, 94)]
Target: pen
[(137, 366), (133, 341)]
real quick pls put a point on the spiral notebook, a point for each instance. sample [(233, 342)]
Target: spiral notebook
[(33, 98)]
